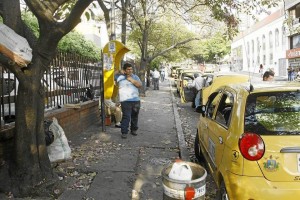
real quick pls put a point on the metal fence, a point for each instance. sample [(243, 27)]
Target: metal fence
[(69, 80)]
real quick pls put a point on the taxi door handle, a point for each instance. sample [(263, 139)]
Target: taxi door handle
[(220, 140)]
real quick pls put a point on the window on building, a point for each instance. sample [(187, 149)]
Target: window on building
[(271, 47), (283, 36), (297, 13), (270, 39), (248, 48), (264, 59), (257, 45), (276, 38), (258, 51), (271, 58), (295, 40), (252, 43), (264, 42)]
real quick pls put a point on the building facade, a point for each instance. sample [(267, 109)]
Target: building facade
[(263, 43), (293, 52)]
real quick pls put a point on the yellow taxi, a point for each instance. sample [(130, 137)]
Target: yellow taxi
[(211, 83), (249, 136), (186, 76), (217, 80), (173, 70)]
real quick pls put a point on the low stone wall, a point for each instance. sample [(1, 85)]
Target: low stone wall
[(72, 120), (75, 120)]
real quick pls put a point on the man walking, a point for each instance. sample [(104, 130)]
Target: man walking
[(130, 101), (155, 77)]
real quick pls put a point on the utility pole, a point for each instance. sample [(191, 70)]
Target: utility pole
[(113, 24)]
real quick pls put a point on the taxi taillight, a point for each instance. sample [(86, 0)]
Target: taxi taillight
[(252, 146)]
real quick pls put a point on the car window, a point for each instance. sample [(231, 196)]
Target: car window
[(7, 85), (223, 114), (212, 103), (273, 113)]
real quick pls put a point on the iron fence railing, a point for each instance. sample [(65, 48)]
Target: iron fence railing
[(70, 79)]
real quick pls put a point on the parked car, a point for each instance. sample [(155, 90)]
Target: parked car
[(212, 82), (8, 83), (249, 136), (184, 76), (176, 75), (217, 80), (173, 70), (60, 87), (187, 93)]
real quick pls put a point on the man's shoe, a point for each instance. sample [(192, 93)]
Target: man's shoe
[(124, 136), (133, 133), (118, 126)]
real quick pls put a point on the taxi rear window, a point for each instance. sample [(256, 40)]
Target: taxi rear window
[(273, 113)]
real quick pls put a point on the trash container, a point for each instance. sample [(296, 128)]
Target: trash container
[(178, 183)]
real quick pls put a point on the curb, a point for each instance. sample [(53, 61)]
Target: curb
[(184, 153)]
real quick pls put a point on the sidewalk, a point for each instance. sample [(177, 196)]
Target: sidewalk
[(129, 168)]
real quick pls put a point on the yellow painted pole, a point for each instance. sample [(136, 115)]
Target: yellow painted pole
[(113, 53)]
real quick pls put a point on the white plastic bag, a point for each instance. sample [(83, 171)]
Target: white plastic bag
[(59, 150), (181, 171)]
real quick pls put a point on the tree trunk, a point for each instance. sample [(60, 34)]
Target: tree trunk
[(30, 165)]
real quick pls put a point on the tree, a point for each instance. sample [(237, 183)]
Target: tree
[(218, 45), (73, 42), (30, 166)]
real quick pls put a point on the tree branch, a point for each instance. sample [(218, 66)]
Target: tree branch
[(74, 17), (172, 47)]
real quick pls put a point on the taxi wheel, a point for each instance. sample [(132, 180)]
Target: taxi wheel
[(197, 149), (222, 193)]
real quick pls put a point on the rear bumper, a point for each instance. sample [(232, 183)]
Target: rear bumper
[(257, 188)]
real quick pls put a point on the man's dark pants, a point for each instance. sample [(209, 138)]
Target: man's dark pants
[(130, 113)]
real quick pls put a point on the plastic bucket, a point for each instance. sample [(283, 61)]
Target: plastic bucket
[(185, 189)]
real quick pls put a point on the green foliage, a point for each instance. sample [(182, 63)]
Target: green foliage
[(31, 22), (162, 34), (155, 64), (76, 43), (71, 43), (207, 50)]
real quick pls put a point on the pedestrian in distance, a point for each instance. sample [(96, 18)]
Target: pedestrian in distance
[(155, 78), (268, 76), (198, 83), (290, 73), (129, 85), (162, 75), (261, 70), (112, 108)]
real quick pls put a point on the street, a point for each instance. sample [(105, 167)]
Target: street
[(189, 119)]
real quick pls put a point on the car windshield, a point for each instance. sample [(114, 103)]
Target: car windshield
[(273, 113)]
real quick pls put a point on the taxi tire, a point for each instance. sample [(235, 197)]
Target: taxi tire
[(197, 149), (222, 193)]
